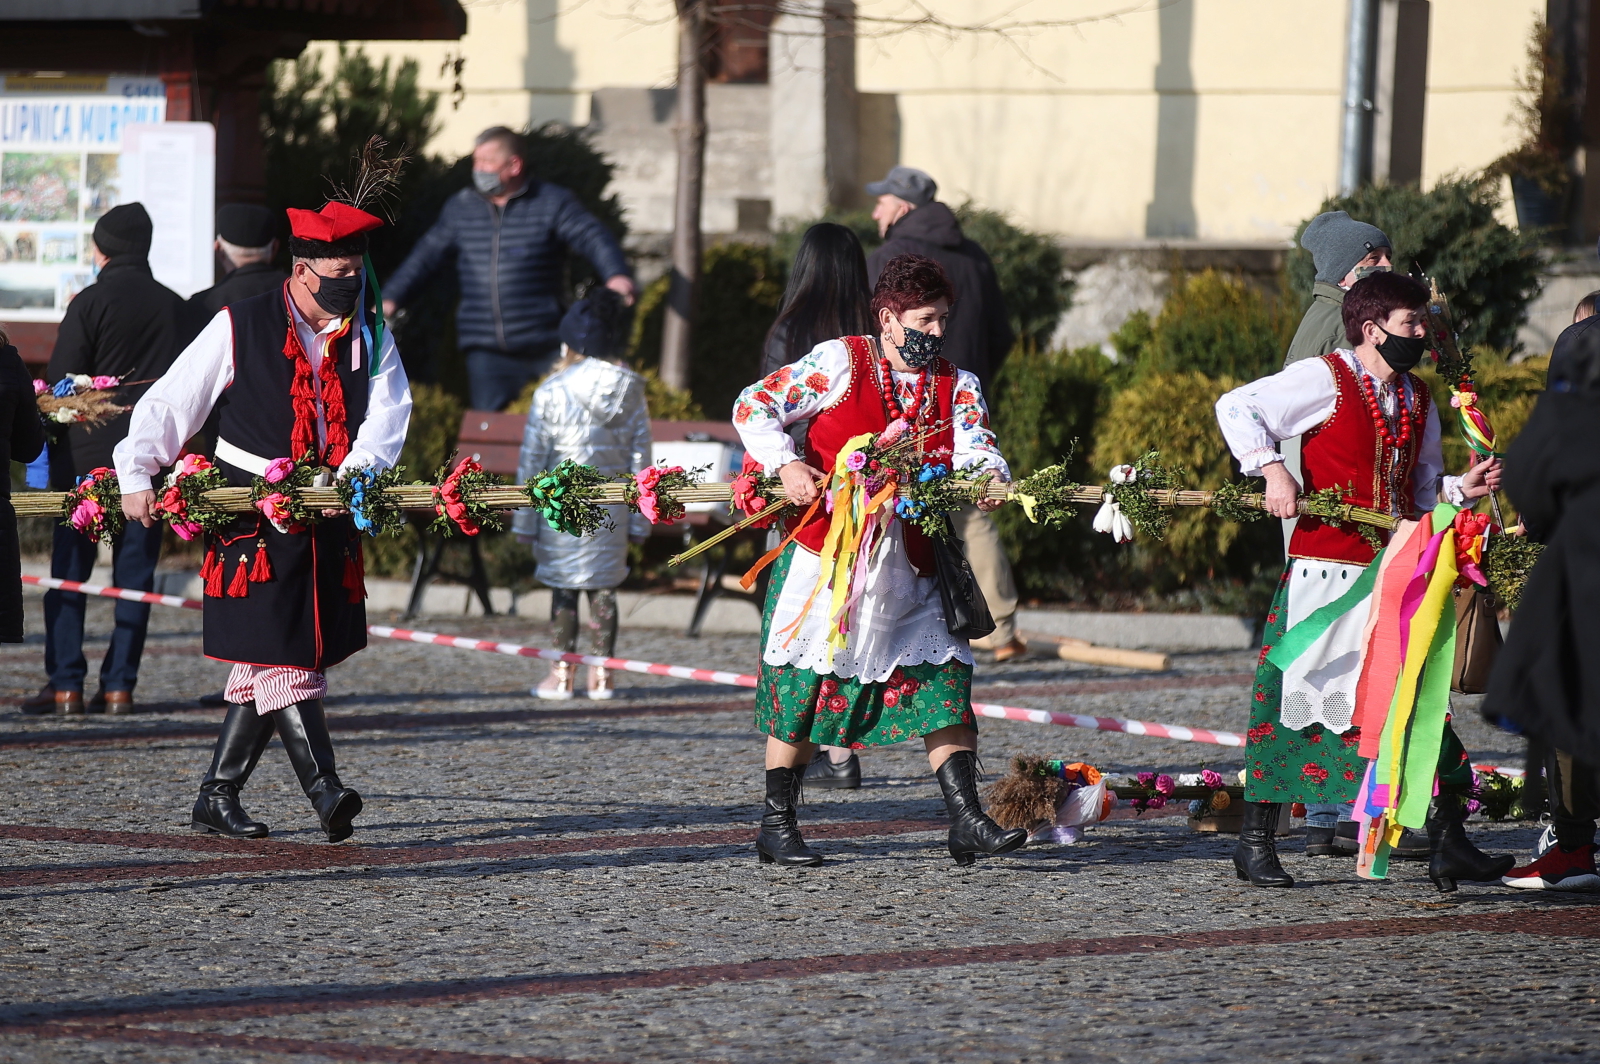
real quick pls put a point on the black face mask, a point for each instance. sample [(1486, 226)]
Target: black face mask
[(1402, 352), (338, 295), (920, 348)]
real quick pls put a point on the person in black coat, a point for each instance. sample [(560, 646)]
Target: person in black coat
[(912, 222), (1546, 680), (977, 338), (509, 237), (246, 245), (128, 325), (21, 440)]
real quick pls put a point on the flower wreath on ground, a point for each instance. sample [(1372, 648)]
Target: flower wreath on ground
[(94, 505), (455, 506), (564, 497), (182, 502), (1054, 800), (273, 493), (362, 491), (650, 491)]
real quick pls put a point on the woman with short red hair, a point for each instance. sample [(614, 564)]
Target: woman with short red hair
[(901, 674)]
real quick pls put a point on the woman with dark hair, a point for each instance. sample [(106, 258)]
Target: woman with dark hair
[(828, 296), (899, 673), (21, 440)]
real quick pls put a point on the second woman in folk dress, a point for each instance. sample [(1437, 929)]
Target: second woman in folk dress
[(901, 675)]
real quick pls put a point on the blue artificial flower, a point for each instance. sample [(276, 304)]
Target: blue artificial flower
[(360, 480), (937, 471), (64, 388), (910, 509)]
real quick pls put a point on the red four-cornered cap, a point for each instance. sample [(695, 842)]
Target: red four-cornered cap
[(334, 222)]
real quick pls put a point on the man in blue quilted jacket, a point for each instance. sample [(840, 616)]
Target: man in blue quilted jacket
[(509, 235)]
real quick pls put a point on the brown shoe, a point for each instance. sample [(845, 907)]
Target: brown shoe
[(43, 702), (70, 702), (116, 703), (1012, 651)]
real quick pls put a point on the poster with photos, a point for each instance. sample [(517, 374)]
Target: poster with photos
[(60, 171)]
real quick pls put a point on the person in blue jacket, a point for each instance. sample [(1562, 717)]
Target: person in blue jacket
[(509, 236)]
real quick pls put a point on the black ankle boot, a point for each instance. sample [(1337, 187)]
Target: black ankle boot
[(245, 735), (1255, 859), (780, 839), (971, 830), (304, 730), (825, 772), (1454, 856)]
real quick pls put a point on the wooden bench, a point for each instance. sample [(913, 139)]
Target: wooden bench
[(495, 441)]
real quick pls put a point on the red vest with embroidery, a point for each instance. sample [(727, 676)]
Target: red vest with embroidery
[(862, 409), (1347, 452)]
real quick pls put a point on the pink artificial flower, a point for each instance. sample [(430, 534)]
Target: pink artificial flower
[(104, 382), (275, 508), (1165, 785), (897, 428), (1210, 779), (87, 513), (1156, 801), (1147, 779), (193, 463), (278, 469), (40, 387), (855, 461)]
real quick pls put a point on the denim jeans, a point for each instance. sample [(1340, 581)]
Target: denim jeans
[(1326, 815), (134, 554), (495, 379)]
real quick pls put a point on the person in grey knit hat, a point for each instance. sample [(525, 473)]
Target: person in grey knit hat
[(1342, 250)]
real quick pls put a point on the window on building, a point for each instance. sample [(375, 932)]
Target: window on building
[(736, 52)]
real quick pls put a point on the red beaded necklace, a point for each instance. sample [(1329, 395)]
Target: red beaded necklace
[(1385, 431), (891, 400)]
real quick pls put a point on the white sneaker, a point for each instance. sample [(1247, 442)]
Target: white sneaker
[(557, 687)]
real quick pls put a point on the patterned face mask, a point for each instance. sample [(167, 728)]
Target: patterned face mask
[(920, 348)]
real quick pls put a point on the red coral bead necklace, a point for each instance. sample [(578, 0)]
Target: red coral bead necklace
[(891, 399), (1385, 430)]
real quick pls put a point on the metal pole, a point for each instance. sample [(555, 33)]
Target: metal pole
[(1355, 148)]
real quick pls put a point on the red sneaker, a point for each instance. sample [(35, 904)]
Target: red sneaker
[(1557, 870)]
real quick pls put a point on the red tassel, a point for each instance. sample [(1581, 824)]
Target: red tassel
[(355, 581), (333, 411), (239, 586), (302, 397), (211, 573), (261, 568)]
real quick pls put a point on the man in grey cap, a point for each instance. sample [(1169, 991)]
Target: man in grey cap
[(1344, 250), (978, 338), (246, 244)]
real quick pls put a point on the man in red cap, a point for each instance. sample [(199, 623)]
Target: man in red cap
[(291, 373)]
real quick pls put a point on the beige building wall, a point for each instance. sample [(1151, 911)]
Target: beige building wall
[(1216, 120)]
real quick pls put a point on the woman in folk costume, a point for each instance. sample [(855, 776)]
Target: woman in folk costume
[(900, 673), (1370, 430), (590, 411), (290, 373)]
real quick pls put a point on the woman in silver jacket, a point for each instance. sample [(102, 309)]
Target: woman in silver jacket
[(592, 411)]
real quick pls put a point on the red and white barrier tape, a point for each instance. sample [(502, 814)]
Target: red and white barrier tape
[(730, 679), (1113, 724), (682, 672)]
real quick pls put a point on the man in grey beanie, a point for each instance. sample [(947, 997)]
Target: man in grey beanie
[(1343, 250)]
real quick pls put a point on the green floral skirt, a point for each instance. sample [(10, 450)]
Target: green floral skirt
[(801, 706), (1315, 765)]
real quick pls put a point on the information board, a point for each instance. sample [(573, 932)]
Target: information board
[(60, 170)]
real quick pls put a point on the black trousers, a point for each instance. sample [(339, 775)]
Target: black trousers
[(1574, 799)]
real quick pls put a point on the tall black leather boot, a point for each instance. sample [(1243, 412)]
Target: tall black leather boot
[(1454, 856), (780, 840), (245, 734), (971, 830), (1255, 859), (304, 731)]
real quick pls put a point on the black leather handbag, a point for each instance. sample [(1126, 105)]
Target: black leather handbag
[(966, 614)]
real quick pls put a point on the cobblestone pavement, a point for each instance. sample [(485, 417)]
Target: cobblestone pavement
[(531, 883)]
